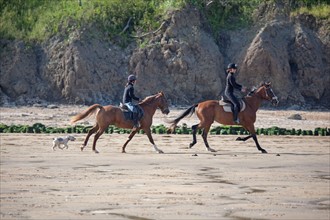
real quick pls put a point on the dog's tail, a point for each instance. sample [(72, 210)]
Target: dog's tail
[(91, 110)]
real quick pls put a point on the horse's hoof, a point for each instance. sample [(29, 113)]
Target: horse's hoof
[(239, 139), (160, 152), (95, 151), (212, 150), (264, 151), (123, 151)]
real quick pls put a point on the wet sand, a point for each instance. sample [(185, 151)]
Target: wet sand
[(237, 182), (292, 181)]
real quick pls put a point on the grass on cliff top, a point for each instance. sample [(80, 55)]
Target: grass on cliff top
[(38, 20), (321, 11)]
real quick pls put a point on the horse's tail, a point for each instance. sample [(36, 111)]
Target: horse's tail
[(91, 110), (189, 111)]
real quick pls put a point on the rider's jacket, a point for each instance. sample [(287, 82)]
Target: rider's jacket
[(231, 84), (129, 94)]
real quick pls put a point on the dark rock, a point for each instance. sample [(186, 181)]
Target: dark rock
[(295, 117)]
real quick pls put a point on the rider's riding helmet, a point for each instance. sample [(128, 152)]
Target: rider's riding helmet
[(131, 78), (232, 66)]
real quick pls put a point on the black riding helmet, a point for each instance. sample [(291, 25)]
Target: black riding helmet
[(131, 78), (232, 66)]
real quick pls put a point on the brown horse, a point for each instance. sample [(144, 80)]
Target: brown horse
[(210, 111), (112, 115)]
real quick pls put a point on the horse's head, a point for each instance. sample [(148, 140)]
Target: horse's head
[(162, 103), (266, 92)]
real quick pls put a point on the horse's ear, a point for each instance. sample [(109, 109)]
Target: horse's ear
[(267, 84)]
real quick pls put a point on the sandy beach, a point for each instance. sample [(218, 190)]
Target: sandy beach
[(292, 181)]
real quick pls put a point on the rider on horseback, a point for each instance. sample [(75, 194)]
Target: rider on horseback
[(229, 90), (128, 99)]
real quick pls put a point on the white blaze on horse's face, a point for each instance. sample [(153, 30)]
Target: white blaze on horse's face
[(275, 100), (271, 95)]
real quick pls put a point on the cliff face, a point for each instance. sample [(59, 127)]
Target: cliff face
[(182, 59), (293, 58)]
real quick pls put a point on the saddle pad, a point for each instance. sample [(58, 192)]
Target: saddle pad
[(128, 114), (227, 105), (123, 107)]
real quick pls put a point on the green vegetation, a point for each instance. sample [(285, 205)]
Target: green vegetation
[(38, 20), (235, 14), (227, 14), (41, 19), (161, 129), (319, 11)]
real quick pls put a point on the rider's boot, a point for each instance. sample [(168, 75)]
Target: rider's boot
[(135, 120), (235, 113)]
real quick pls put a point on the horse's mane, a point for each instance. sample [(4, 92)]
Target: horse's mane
[(255, 88), (148, 99), (151, 98)]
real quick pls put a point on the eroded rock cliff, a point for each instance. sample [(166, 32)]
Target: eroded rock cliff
[(182, 59)]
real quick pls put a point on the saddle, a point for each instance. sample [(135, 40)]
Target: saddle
[(227, 105), (130, 116)]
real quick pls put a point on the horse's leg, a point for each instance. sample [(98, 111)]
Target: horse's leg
[(90, 132), (194, 129), (204, 135), (243, 138), (131, 135), (253, 134), (96, 137), (148, 132), (248, 128)]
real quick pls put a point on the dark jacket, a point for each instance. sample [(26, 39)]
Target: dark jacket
[(231, 84), (129, 94)]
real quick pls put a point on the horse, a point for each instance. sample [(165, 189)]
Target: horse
[(210, 111), (113, 115)]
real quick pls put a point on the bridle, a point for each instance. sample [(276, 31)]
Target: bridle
[(164, 105), (270, 95)]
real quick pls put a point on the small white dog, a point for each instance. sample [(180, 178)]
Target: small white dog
[(64, 141)]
